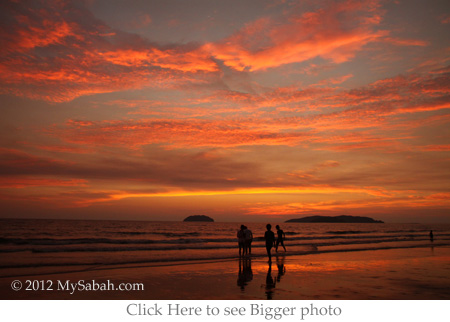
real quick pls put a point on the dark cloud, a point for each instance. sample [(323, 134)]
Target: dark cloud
[(156, 167)]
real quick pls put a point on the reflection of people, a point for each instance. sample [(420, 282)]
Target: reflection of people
[(269, 236), (248, 235), (270, 283), (431, 235), (245, 274), (281, 268), (241, 240), (280, 238)]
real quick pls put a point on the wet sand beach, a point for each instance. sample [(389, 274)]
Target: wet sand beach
[(407, 274)]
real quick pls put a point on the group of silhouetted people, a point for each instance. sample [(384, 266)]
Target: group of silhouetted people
[(245, 274), (245, 238), (269, 237)]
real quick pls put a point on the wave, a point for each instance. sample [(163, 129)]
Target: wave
[(130, 233), (133, 233), (82, 241), (184, 241), (70, 241), (409, 231), (204, 246), (346, 232)]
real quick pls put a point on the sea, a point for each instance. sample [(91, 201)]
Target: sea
[(59, 243)]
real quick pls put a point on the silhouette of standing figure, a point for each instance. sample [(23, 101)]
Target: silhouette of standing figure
[(431, 235), (281, 237), (269, 236), (241, 241), (248, 235)]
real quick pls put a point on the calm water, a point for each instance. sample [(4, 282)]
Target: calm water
[(36, 243)]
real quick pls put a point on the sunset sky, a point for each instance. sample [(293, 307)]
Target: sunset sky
[(260, 110)]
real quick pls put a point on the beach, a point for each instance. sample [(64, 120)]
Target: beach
[(420, 273)]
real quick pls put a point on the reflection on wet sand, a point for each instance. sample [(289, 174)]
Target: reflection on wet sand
[(431, 241), (245, 274), (270, 283), (281, 267)]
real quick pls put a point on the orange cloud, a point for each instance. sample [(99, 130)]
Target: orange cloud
[(50, 32), (55, 52), (119, 195), (339, 120), (377, 205), (335, 32), (192, 61), (440, 196), (406, 42), (175, 133), (436, 147)]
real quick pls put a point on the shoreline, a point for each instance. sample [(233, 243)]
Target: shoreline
[(419, 273), (48, 269)]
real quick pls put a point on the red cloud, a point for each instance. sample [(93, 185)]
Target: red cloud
[(50, 32), (377, 203), (176, 133), (57, 51), (436, 147), (406, 42), (337, 120), (193, 61), (335, 32), (39, 182)]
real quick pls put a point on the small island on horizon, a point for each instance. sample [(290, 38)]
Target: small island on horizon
[(199, 218), (335, 219)]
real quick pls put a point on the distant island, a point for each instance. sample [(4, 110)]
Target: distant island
[(336, 219), (199, 218)]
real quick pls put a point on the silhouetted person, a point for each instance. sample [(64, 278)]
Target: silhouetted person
[(431, 235), (248, 235), (270, 283), (280, 238), (269, 236), (241, 240)]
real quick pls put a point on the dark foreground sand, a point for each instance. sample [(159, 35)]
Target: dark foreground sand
[(407, 274)]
